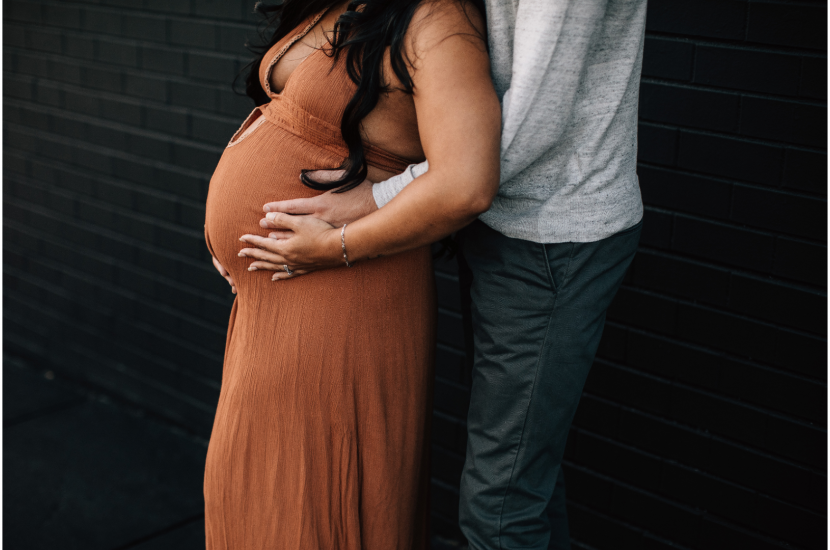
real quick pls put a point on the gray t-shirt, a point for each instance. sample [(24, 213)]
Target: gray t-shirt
[(568, 75)]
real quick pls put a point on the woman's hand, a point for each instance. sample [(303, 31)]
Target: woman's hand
[(303, 243), (224, 273)]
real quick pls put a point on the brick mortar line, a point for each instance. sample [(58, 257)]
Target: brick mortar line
[(205, 407), (713, 264), (734, 225), (718, 353), (758, 47), (123, 69), (449, 418), (737, 43), (454, 384), (111, 96), (104, 395), (59, 316), (99, 178), (449, 312), (121, 40), (153, 302), (129, 321), (721, 179), (692, 469), (669, 543), (124, 212), (180, 397), (622, 523), (769, 279), (677, 425), (712, 395), (126, 129), (126, 293), (19, 226), (126, 10), (699, 513), (715, 309), (98, 149), (735, 137), (446, 276), (733, 91), (450, 349)]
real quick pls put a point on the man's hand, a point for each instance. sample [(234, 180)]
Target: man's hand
[(334, 208), (311, 244), (224, 273)]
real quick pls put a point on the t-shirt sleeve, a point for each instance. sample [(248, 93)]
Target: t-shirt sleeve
[(385, 191)]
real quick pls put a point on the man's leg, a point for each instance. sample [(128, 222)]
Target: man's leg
[(537, 314)]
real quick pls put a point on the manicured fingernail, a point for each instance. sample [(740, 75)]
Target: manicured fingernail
[(272, 235), (266, 208), (271, 216), (275, 278), (252, 268), (241, 255)]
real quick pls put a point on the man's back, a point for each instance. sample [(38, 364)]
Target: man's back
[(568, 72)]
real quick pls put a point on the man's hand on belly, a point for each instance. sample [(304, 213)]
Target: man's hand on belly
[(334, 208)]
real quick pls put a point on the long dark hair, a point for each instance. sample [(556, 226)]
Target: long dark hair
[(363, 32)]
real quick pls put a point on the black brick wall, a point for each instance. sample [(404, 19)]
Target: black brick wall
[(703, 422)]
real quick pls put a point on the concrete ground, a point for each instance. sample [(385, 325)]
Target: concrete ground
[(83, 472)]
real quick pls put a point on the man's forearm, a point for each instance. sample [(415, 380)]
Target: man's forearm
[(385, 191), (425, 211)]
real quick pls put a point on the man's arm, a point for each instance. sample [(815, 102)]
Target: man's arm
[(340, 208), (459, 124), (385, 191)]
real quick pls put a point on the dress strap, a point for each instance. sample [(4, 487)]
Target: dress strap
[(299, 36)]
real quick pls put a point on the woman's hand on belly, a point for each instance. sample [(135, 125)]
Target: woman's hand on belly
[(224, 273), (303, 243)]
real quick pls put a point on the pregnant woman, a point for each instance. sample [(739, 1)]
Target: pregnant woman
[(321, 435)]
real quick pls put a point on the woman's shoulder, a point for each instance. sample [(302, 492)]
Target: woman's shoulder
[(435, 21)]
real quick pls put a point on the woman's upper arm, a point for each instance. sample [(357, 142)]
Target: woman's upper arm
[(459, 117)]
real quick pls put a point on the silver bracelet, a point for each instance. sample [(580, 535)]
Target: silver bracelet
[(343, 245)]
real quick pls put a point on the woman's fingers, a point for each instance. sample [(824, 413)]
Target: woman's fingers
[(263, 255), (224, 273), (219, 267), (278, 269), (266, 266), (326, 176), (280, 276), (265, 223)]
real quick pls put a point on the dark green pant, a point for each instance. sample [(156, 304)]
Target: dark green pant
[(536, 314)]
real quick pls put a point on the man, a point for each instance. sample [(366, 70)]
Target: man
[(541, 266)]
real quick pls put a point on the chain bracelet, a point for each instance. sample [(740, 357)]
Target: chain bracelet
[(343, 245)]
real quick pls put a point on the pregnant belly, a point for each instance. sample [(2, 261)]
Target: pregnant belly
[(262, 167)]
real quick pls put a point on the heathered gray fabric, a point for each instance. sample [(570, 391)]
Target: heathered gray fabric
[(568, 75)]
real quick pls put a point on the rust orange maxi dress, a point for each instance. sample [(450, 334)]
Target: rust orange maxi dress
[(321, 433)]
